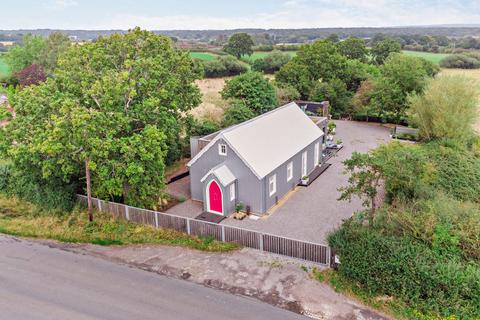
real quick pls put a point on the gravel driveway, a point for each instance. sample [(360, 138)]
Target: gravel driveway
[(312, 212)]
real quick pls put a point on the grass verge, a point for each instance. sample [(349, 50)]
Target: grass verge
[(20, 218), (385, 304)]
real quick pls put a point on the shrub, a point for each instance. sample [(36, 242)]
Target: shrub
[(447, 108), (272, 62), (223, 67), (335, 91), (408, 270), (52, 194), (286, 93), (461, 61)]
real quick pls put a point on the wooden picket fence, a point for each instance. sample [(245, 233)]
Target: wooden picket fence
[(304, 250)]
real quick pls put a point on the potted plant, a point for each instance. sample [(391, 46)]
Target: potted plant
[(339, 143), (331, 128), (305, 180)]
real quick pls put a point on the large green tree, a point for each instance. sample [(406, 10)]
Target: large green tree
[(354, 48), (23, 55), (254, 90), (111, 114), (239, 44), (56, 44), (382, 49)]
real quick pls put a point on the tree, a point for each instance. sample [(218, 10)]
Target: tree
[(333, 37), (364, 181), (354, 48), (320, 60), (21, 56), (272, 62), (382, 49), (335, 92), (113, 112), (447, 109), (253, 89), (56, 44), (239, 44), (401, 75), (237, 112)]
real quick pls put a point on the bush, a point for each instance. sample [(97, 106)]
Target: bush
[(335, 91), (223, 67), (461, 61), (272, 62), (447, 108), (408, 270), (53, 194)]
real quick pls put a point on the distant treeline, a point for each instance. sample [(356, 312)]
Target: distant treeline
[(271, 36)]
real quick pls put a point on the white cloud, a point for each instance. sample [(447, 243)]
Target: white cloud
[(295, 14), (60, 4)]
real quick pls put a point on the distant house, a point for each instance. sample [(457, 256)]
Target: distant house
[(256, 162)]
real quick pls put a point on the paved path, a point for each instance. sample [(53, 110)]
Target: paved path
[(38, 282), (312, 212)]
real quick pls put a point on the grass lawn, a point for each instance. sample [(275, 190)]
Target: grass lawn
[(20, 218), (432, 57), (4, 70), (205, 56)]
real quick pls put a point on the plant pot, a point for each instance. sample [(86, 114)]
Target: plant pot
[(305, 181)]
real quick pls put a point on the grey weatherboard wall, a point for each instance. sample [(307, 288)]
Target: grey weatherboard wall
[(249, 188)]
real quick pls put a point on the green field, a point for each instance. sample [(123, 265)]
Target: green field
[(205, 56), (4, 70), (432, 57), (262, 54)]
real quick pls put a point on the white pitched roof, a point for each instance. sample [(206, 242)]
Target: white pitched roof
[(269, 140), (224, 175)]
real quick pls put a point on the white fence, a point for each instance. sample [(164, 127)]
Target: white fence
[(309, 251)]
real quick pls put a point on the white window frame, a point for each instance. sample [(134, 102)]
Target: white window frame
[(272, 184), (289, 171), (232, 192), (220, 147), (317, 153)]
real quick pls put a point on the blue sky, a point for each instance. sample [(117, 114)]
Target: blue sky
[(217, 14)]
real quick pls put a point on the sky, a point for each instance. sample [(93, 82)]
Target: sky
[(227, 14)]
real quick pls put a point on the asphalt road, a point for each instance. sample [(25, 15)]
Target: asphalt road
[(39, 282)]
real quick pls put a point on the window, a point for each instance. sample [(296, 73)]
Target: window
[(289, 171), (222, 149), (272, 184), (232, 192)]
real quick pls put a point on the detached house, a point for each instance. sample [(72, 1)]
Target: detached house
[(256, 162)]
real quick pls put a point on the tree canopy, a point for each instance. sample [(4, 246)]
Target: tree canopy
[(239, 44), (112, 112), (354, 48), (382, 49)]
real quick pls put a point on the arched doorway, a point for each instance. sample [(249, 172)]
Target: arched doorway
[(215, 197)]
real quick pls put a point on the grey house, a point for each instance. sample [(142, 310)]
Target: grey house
[(256, 162)]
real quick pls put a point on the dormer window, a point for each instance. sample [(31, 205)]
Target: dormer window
[(222, 149)]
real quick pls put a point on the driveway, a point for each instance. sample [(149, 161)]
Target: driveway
[(312, 212)]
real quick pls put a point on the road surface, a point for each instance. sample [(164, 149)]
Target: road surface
[(39, 282)]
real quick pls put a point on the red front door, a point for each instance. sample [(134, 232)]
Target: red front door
[(215, 197)]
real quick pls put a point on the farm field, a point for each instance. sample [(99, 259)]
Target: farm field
[(205, 56), (432, 57), (4, 71), (208, 56)]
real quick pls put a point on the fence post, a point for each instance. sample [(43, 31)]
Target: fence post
[(223, 233), (127, 215), (188, 226), (156, 219), (261, 242), (99, 205)]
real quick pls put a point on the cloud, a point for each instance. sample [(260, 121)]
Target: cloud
[(60, 4), (312, 14)]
